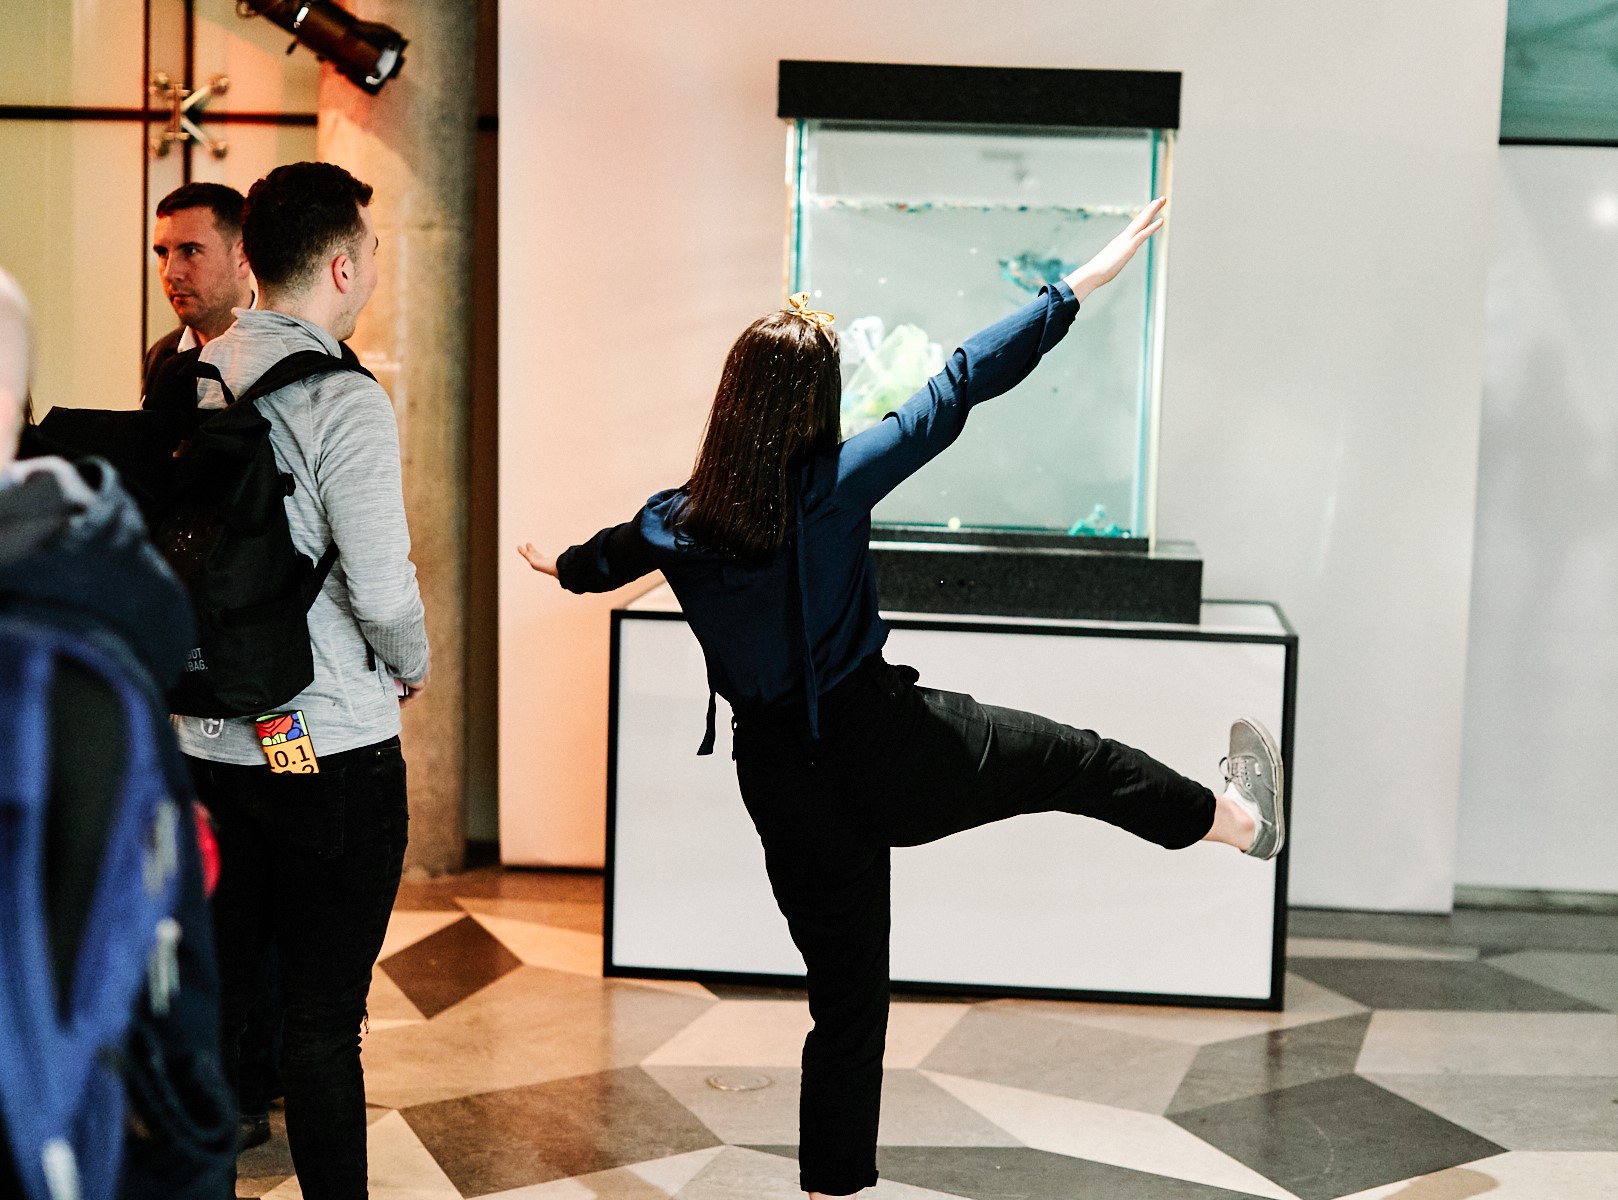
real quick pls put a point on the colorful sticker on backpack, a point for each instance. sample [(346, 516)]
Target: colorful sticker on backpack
[(287, 745)]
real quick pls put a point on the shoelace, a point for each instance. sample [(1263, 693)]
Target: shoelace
[(1242, 770)]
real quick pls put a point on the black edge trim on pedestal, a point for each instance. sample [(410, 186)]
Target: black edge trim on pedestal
[(1025, 96), (1586, 143), (607, 967), (991, 624), (1289, 700), (1277, 998), (985, 990)]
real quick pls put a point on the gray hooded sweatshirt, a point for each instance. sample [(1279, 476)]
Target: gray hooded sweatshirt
[(337, 436)]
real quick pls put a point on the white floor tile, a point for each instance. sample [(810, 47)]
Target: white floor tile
[(400, 1167), (1482, 1043), (1100, 1133), (1306, 1002), (770, 1033), (1301, 947), (546, 945), (1523, 1175)]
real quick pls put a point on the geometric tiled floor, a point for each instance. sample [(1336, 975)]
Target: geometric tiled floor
[(1419, 1058)]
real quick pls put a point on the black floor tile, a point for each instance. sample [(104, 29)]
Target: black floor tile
[(498, 1141), (446, 967), (1335, 1137), (1454, 986), (1251, 1066)]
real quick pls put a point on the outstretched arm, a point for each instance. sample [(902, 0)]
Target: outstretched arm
[(618, 555), (874, 462)]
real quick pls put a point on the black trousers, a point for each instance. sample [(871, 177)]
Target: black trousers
[(309, 864), (901, 765)]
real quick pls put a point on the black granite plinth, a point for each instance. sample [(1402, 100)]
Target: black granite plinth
[(1064, 582)]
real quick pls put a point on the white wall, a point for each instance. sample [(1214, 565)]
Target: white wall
[(1322, 377), (1541, 745)]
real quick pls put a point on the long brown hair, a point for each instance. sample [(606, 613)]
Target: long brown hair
[(777, 404)]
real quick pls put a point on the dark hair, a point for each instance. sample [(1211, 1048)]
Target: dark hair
[(224, 202), (777, 405), (297, 217)]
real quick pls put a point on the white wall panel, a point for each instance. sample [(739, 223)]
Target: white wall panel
[(1542, 684), (71, 234), (1322, 371), (83, 52)]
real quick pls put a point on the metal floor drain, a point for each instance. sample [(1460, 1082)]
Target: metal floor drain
[(739, 1081)]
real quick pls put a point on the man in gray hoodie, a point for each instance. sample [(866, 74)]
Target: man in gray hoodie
[(310, 860)]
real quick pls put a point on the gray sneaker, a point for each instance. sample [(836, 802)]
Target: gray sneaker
[(1254, 770)]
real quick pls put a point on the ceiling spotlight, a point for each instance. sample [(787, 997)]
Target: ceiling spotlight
[(367, 53)]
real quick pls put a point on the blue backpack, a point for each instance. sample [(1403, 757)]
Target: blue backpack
[(62, 1098)]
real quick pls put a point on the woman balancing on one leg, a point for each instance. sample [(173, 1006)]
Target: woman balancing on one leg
[(839, 754)]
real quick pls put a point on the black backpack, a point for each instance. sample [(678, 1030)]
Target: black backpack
[(215, 500)]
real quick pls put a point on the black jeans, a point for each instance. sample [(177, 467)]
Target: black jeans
[(901, 765), (310, 864)]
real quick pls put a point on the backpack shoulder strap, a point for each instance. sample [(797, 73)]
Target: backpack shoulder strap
[(298, 366), (171, 387)]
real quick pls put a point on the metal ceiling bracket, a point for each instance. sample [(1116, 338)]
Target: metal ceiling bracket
[(186, 110)]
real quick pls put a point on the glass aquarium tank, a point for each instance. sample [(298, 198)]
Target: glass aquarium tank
[(928, 202)]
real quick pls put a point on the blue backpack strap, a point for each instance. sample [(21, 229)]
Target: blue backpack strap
[(58, 1097)]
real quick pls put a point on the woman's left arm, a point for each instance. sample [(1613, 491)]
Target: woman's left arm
[(615, 556)]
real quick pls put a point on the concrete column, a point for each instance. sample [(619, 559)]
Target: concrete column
[(414, 143)]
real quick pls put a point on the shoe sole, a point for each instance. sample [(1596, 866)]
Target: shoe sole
[(1274, 752)]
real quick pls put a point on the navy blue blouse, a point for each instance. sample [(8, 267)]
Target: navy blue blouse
[(793, 628)]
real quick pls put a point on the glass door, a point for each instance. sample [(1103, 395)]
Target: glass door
[(227, 103), (106, 107)]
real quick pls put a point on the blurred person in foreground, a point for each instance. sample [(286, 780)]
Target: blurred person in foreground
[(110, 1081)]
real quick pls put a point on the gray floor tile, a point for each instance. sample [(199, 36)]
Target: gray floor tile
[(1060, 1058), (580, 916), (995, 1173), (1459, 986), (751, 1174), (531, 1026), (1496, 931), (265, 1167), (502, 1140), (1592, 978), (915, 1111), (1286, 1058), (1521, 1112), (1490, 1043), (1335, 1137)]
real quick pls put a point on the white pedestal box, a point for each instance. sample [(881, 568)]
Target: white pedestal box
[(1049, 904)]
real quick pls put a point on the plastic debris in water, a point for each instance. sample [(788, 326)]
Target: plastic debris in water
[(1030, 272), (1097, 525), (860, 340), (888, 374)]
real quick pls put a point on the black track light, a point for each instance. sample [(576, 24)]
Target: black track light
[(367, 53)]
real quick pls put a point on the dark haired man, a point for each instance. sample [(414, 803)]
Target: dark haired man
[(311, 862), (198, 243)]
